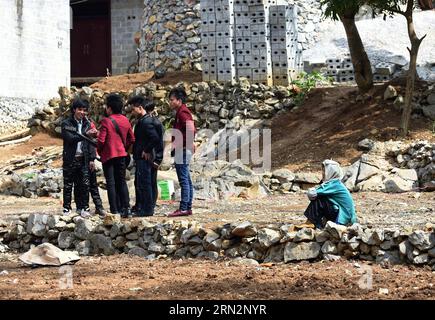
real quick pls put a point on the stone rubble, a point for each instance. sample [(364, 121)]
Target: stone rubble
[(393, 166)]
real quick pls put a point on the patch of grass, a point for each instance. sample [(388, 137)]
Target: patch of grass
[(28, 176), (308, 81)]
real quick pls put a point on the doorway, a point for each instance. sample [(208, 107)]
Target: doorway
[(91, 39)]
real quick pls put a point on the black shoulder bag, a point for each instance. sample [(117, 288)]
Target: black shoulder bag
[(128, 156)]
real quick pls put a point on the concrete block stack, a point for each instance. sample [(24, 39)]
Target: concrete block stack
[(217, 38), (286, 57), (253, 59), (384, 71), (237, 41), (341, 70)]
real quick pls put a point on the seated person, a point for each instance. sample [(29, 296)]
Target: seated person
[(331, 201)]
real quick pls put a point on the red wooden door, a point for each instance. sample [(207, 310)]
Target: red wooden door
[(90, 47)]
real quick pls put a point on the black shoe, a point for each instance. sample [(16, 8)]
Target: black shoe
[(141, 215), (66, 211), (126, 213), (135, 211), (100, 211)]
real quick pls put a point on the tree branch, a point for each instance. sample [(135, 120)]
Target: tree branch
[(422, 38), (409, 7)]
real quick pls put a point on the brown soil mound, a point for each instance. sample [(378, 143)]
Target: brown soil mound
[(127, 82), (331, 123)]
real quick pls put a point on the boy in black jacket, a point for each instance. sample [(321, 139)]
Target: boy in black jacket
[(147, 153), (78, 158)]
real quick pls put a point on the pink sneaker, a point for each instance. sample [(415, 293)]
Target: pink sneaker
[(179, 213)]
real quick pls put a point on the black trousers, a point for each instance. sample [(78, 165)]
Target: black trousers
[(144, 188), (93, 189), (154, 186), (114, 172), (76, 176), (320, 211)]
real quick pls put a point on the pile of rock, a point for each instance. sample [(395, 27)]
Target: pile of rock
[(392, 167), (423, 103), (221, 180), (285, 181), (184, 239), (16, 112), (47, 117), (388, 167), (35, 183), (213, 105)]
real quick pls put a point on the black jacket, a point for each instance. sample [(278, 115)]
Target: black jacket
[(148, 134), (158, 150), (71, 139)]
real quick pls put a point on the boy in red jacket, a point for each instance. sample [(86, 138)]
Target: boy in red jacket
[(114, 139), (183, 149)]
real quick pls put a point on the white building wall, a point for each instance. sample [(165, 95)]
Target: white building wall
[(35, 48), (34, 57)]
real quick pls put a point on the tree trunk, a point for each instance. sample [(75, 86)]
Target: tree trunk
[(360, 60), (415, 45)]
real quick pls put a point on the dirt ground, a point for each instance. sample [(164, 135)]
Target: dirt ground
[(128, 82), (25, 149), (136, 278), (195, 279), (331, 123), (408, 210)]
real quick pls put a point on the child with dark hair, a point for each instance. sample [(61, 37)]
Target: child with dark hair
[(78, 158), (183, 148), (147, 153), (114, 139)]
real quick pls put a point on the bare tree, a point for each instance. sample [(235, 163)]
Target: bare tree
[(394, 7), (345, 11)]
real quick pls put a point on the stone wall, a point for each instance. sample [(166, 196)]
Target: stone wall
[(126, 19), (171, 32), (189, 239), (34, 56), (214, 105)]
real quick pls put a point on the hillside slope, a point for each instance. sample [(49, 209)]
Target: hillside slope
[(331, 123)]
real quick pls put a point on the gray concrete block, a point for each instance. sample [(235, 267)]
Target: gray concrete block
[(334, 61), (347, 78), (346, 72), (385, 68), (381, 77)]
